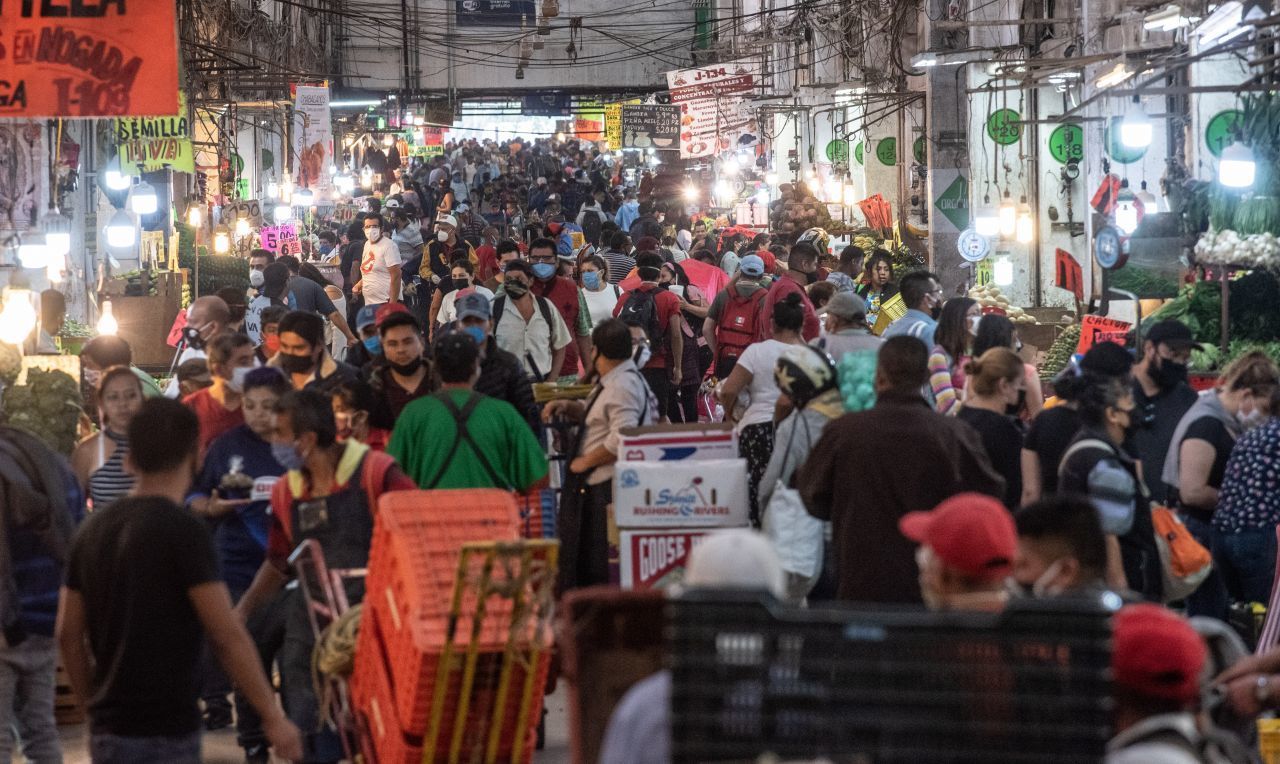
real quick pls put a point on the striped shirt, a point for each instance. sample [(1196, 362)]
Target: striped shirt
[(620, 264), (110, 481)]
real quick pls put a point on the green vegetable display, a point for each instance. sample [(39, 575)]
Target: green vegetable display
[(1142, 282), (1060, 352), (47, 406), (1257, 214)]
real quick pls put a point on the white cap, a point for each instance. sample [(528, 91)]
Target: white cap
[(448, 220), (736, 558)]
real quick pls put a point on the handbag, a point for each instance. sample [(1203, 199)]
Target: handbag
[(1184, 562), (796, 535)]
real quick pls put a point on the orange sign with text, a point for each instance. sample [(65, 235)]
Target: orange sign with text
[(88, 58), (1095, 329)]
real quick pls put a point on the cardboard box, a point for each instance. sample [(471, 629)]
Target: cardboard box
[(656, 559), (673, 442), (692, 493)]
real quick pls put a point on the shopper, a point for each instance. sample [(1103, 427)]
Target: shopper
[(927, 457), (1197, 459), (406, 374), (142, 593), (303, 356), (218, 407), (996, 331), (922, 296), (501, 375), (846, 328), (967, 546), (99, 460), (435, 263), (1061, 549), (297, 293), (1162, 397), (656, 313), (354, 407), (995, 384), (957, 326), (619, 257), (207, 317), (528, 326), (600, 294), (380, 278), (328, 493), (270, 344), (369, 351), (802, 269), (844, 277), (563, 293), (621, 399), (877, 285), (459, 438), (98, 355), (506, 251), (462, 276), (1248, 511), (682, 405), (734, 320)]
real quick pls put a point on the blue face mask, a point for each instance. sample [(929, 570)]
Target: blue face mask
[(287, 456), (591, 279), (475, 333), (544, 270), (373, 345)]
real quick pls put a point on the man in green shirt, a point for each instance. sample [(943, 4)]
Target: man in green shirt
[(459, 438)]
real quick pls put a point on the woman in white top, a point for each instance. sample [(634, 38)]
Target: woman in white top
[(754, 374), (463, 274), (601, 296)]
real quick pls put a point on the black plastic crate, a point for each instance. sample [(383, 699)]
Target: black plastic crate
[(753, 676)]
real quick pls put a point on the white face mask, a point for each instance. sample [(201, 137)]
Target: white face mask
[(238, 374), (973, 324), (1250, 420), (442, 235), (256, 278), (373, 234)]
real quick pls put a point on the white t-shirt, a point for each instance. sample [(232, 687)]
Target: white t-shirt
[(763, 392), (375, 269), (253, 318), (600, 304), (449, 303)]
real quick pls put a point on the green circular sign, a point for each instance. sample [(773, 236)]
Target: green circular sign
[(887, 151), (857, 151), (1115, 147), (1221, 131), (237, 163), (267, 161), (838, 151), (1066, 143), (1004, 127), (917, 150)]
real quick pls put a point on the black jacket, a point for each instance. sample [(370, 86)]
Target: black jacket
[(502, 377)]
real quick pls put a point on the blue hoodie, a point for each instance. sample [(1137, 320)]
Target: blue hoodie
[(627, 214)]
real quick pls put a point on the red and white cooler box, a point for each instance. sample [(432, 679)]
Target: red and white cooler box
[(674, 485)]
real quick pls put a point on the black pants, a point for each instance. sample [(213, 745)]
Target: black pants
[(583, 527), (266, 628), (682, 403), (660, 384)]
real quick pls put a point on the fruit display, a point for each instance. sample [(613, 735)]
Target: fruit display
[(991, 298), (1060, 352), (796, 210), (1258, 250), (47, 406)]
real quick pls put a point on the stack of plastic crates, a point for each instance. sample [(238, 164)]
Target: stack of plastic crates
[(752, 676), (455, 640), (537, 513)]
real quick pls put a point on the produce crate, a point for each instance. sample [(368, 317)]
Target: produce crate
[(538, 513), (611, 640), (751, 675)]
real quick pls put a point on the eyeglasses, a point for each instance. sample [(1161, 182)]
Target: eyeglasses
[(542, 258)]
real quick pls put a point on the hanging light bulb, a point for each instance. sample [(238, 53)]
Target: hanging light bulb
[(195, 216), (690, 193), (282, 213), (273, 188), (724, 190), (1149, 201), (242, 228), (986, 220), (850, 195), (1126, 210), (1237, 168), (18, 318), (143, 200), (333, 170), (303, 197), (1135, 128), (32, 252), (1008, 216), (286, 190), (57, 233), (121, 232), (113, 178), (762, 196), (730, 165), (221, 241), (107, 323), (1002, 271), (1025, 228), (771, 178)]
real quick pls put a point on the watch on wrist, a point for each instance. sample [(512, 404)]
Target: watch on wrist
[(1262, 690)]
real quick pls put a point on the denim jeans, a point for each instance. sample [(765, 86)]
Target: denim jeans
[(27, 689), (109, 749), (1210, 599), (1248, 563)]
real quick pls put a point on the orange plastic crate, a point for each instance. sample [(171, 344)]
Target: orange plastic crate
[(372, 698)]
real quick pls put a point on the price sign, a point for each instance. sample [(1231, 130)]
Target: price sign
[(250, 209), (613, 125), (983, 273), (281, 239), (88, 58), (153, 143), (1003, 127), (1220, 132), (650, 126), (1066, 143), (1095, 329)]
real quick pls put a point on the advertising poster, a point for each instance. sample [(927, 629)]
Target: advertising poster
[(714, 113), (645, 127), (494, 13), (655, 559), (613, 125), (153, 143), (88, 59), (312, 137)]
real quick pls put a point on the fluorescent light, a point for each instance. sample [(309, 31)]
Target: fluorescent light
[(1237, 167), (1226, 23), (121, 233), (1166, 19), (353, 104), (1002, 271), (1119, 73), (143, 200), (1135, 128), (32, 252), (113, 178), (986, 220), (924, 60), (57, 233)]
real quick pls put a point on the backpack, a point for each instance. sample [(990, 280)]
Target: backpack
[(641, 309), (1184, 562), (1211, 746), (738, 326)]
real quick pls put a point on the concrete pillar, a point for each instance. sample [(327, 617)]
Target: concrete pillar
[(947, 149)]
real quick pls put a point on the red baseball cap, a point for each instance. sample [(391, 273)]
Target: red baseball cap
[(970, 532), (770, 262), (1156, 654), (389, 309)]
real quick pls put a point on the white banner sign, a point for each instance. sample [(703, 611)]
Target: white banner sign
[(312, 137), (714, 114)]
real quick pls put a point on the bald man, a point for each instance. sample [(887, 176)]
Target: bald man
[(208, 317)]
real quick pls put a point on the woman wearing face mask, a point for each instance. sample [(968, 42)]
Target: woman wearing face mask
[(1097, 465), (956, 329), (682, 405), (877, 283), (98, 460), (601, 296), (463, 281), (996, 379), (1248, 511), (999, 332), (1197, 458)]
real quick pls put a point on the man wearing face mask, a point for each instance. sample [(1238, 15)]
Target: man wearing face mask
[(506, 251), (563, 293), (207, 317), (1162, 396), (529, 327), (922, 295), (303, 356), (379, 266), (501, 375), (1061, 549), (802, 270), (967, 546), (621, 399), (435, 264), (405, 375), (217, 407)]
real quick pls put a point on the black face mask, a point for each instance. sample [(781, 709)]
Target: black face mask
[(1015, 408), (1169, 374), (406, 369), (811, 277), (296, 364), (515, 289), (191, 336)]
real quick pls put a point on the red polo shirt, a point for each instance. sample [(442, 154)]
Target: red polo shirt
[(563, 294), (780, 289), (668, 306)]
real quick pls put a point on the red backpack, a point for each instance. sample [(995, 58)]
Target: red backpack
[(738, 326)]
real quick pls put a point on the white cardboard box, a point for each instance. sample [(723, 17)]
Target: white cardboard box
[(691, 493), (674, 442), (656, 559)]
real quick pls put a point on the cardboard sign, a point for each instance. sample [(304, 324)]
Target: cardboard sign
[(175, 330), (655, 559), (88, 58), (674, 442), (613, 125), (249, 208), (280, 239), (1067, 273), (148, 144), (691, 493), (1095, 329)]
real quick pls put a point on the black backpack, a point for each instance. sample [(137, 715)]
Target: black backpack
[(641, 309)]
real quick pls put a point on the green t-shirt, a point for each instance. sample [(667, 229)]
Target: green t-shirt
[(425, 433)]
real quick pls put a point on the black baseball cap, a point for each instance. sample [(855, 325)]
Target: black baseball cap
[(1173, 333)]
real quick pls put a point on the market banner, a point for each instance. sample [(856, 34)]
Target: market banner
[(88, 58), (714, 113), (494, 13), (647, 126), (312, 137), (148, 144), (613, 125)]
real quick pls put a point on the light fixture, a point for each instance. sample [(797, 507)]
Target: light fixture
[(143, 200), (195, 216), (1025, 226), (834, 190), (1166, 19), (333, 170), (1126, 210), (57, 233), (690, 193), (986, 219), (850, 195), (303, 197), (1008, 216), (924, 60), (32, 252), (18, 318), (730, 165), (1002, 271), (366, 176), (114, 178), (354, 104), (1149, 201), (762, 196), (282, 213), (388, 140), (242, 227), (1224, 24), (221, 241), (724, 190), (286, 190), (771, 178), (560, 137), (1117, 74), (1236, 167), (107, 323), (1135, 127), (121, 232), (273, 189)]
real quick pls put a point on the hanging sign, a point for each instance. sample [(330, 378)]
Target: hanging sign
[(281, 239), (647, 126), (88, 58), (887, 151), (148, 144), (1003, 127), (250, 209), (1066, 143), (713, 114), (973, 246), (1095, 329), (613, 125), (1220, 132), (312, 137), (547, 105), (838, 151), (494, 13), (1068, 274)]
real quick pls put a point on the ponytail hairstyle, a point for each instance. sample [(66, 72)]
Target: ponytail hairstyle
[(992, 366), (788, 314)]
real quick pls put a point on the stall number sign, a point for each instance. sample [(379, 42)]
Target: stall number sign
[(1004, 127), (88, 58), (1066, 144), (857, 152), (838, 151), (281, 239), (887, 151), (1221, 131)]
